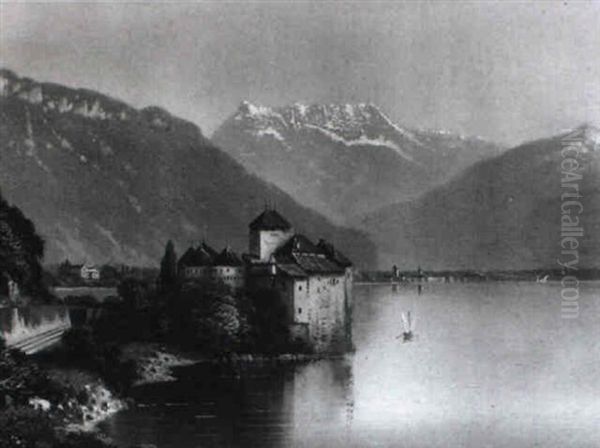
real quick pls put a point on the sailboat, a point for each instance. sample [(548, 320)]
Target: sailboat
[(408, 323), (543, 279)]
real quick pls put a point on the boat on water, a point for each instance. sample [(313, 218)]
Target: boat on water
[(408, 323), (543, 279)]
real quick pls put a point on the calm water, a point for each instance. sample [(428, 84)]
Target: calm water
[(492, 365)]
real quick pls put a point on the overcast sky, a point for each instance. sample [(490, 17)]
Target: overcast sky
[(506, 71)]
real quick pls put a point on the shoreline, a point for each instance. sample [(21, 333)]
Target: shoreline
[(91, 403), (156, 362)]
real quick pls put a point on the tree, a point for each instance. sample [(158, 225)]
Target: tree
[(21, 249), (23, 426), (134, 294), (168, 267)]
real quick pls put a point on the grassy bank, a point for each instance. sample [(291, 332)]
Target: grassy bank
[(50, 407)]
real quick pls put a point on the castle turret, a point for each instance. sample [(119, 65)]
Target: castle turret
[(229, 269), (268, 232), (197, 262)]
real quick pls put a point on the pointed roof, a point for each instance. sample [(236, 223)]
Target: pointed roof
[(310, 258), (334, 254), (227, 258), (270, 220), (298, 244), (203, 255)]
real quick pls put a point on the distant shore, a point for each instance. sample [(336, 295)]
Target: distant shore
[(466, 276)]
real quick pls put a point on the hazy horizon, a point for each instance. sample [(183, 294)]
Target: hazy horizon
[(508, 72)]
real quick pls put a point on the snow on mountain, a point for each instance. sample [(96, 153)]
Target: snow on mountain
[(592, 138), (363, 140), (343, 159), (104, 181), (270, 132)]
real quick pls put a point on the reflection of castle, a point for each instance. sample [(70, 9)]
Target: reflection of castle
[(314, 280)]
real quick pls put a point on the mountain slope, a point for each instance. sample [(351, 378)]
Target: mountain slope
[(104, 181), (347, 159), (503, 213)]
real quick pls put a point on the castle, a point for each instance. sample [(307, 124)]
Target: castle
[(314, 280)]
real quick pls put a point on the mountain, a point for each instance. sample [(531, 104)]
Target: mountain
[(502, 213), (344, 159), (104, 181)]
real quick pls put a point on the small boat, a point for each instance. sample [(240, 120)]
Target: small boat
[(408, 323), (543, 279)]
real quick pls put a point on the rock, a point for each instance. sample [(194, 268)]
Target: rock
[(40, 404)]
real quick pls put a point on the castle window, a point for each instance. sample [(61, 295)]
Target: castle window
[(300, 289), (299, 310)]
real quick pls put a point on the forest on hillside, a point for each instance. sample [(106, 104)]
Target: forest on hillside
[(21, 251)]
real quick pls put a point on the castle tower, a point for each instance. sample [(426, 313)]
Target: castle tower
[(268, 232)]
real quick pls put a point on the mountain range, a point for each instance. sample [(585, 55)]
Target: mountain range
[(502, 213), (345, 159), (106, 182)]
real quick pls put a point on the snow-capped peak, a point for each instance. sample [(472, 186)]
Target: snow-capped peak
[(249, 109), (587, 136), (331, 116), (592, 136), (300, 108), (350, 124)]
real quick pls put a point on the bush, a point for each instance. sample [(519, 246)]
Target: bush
[(80, 344), (84, 350), (21, 379), (217, 325), (25, 427)]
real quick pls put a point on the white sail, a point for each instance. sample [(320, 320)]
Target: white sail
[(543, 279), (407, 322)]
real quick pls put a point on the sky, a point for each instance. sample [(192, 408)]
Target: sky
[(506, 71)]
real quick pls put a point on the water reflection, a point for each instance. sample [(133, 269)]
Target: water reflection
[(491, 365), (268, 406)]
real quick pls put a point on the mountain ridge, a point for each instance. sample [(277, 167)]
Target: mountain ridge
[(501, 213), (104, 181), (344, 159)]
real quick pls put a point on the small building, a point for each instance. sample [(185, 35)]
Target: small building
[(84, 271), (89, 272)]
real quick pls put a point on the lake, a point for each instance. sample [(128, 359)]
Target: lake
[(491, 365)]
